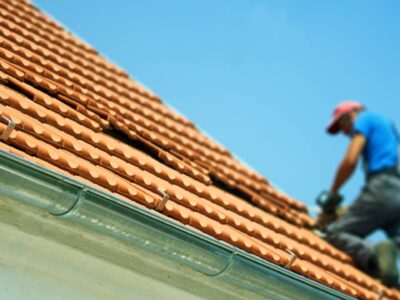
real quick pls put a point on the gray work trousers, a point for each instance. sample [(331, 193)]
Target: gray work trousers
[(377, 207)]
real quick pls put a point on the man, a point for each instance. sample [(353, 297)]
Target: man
[(375, 139)]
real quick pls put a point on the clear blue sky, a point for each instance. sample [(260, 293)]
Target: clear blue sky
[(259, 76)]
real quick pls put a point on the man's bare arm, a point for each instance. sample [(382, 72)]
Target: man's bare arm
[(349, 162)]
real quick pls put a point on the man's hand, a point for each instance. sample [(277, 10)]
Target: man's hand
[(324, 219)]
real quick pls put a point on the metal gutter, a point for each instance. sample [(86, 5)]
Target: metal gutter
[(90, 209)]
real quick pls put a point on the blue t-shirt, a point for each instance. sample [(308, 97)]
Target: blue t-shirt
[(381, 149)]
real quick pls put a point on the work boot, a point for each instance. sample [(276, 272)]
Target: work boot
[(384, 257)]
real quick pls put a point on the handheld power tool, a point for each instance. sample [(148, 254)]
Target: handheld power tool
[(329, 204)]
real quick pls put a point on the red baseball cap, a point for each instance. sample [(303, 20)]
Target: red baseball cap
[(341, 109)]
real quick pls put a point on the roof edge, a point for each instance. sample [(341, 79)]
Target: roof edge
[(85, 206)]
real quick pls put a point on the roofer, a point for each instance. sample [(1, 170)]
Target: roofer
[(375, 139)]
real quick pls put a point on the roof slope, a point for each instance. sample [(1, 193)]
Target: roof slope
[(77, 114)]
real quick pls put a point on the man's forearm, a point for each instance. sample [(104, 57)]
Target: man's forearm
[(349, 162), (342, 175)]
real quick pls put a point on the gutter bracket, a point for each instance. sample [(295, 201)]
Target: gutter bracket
[(292, 259), (163, 201), (10, 127), (380, 293)]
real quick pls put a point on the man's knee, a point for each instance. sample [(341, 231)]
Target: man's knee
[(335, 237), (341, 238)]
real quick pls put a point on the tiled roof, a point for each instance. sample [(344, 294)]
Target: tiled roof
[(77, 114)]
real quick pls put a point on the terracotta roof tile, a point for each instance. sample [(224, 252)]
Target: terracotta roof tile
[(65, 99)]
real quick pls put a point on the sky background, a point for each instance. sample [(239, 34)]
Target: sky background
[(259, 76)]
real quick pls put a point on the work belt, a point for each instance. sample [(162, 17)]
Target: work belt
[(389, 171)]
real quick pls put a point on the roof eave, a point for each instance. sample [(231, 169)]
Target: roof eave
[(216, 262)]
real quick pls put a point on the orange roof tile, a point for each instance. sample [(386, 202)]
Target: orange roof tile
[(65, 99)]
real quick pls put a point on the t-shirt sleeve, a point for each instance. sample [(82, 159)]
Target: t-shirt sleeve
[(363, 125)]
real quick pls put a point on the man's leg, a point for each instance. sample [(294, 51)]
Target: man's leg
[(372, 210), (349, 231), (393, 232), (392, 228)]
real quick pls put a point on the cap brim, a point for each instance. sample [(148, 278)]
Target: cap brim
[(333, 127)]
